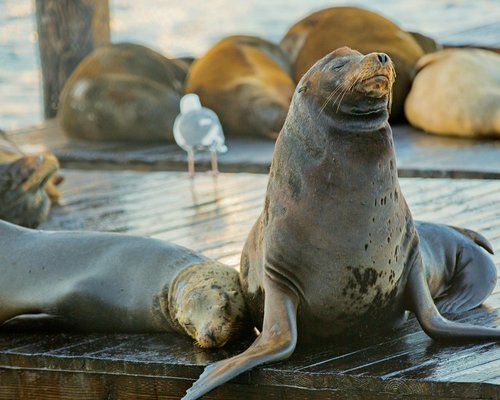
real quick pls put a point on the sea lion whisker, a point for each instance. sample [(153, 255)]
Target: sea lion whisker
[(348, 89), (330, 96)]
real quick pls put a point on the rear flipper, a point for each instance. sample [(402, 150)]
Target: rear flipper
[(475, 276), (419, 301), (276, 342)]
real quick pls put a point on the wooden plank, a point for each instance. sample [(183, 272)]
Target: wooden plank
[(483, 36), (406, 364), (418, 154)]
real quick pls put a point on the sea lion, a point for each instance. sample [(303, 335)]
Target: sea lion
[(427, 43), (247, 82), (27, 184), (456, 92), (104, 282), (323, 31), (122, 92), (335, 249)]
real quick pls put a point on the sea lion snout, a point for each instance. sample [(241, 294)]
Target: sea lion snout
[(376, 75), (383, 58)]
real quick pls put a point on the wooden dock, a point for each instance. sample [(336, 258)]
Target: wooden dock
[(214, 216), (418, 153)]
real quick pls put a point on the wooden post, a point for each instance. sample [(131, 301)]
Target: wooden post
[(68, 30)]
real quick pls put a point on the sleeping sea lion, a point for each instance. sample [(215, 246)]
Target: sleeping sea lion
[(335, 250), (457, 92), (122, 92), (323, 31), (27, 184), (247, 82), (104, 282)]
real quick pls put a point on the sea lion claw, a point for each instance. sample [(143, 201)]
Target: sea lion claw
[(276, 342)]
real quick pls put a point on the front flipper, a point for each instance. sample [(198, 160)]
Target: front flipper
[(276, 342), (433, 323)]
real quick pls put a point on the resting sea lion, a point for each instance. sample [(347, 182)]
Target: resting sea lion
[(457, 92), (428, 44), (27, 184), (335, 249), (323, 31), (93, 281), (122, 92), (246, 81)]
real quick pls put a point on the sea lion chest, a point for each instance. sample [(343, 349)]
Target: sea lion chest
[(337, 230)]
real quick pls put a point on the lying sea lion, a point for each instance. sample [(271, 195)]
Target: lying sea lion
[(27, 184), (104, 282), (457, 92), (323, 31), (122, 92), (335, 249), (247, 82), (427, 43)]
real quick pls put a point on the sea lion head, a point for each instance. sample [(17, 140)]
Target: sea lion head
[(352, 89), (207, 303), (23, 199)]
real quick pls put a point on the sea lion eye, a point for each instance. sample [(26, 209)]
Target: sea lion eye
[(339, 66)]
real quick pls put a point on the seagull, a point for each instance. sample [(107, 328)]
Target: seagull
[(198, 128)]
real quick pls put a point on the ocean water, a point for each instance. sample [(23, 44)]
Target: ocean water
[(189, 27)]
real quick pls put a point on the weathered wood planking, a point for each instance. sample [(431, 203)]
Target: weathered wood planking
[(214, 216), (482, 36), (418, 154)]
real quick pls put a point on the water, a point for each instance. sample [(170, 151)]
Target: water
[(189, 27)]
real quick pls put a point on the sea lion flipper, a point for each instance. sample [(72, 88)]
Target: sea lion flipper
[(419, 301), (276, 342), (476, 237)]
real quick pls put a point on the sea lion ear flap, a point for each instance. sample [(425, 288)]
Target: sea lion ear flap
[(305, 87)]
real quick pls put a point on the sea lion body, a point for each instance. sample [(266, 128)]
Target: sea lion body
[(90, 282), (315, 195), (27, 184), (246, 81), (336, 250), (456, 92), (318, 34), (122, 92)]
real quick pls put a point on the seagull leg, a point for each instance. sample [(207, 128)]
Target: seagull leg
[(191, 163), (215, 166)]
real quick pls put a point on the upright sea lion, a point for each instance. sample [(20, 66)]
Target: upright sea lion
[(335, 249), (93, 281), (122, 92), (457, 92), (247, 82), (323, 31), (27, 184)]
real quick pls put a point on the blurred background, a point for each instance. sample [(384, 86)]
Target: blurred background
[(189, 27)]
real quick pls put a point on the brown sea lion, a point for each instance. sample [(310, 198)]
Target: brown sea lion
[(335, 249), (246, 81), (27, 184), (427, 43), (457, 92), (103, 282), (122, 92), (323, 31)]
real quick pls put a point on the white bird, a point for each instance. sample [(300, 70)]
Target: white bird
[(198, 128)]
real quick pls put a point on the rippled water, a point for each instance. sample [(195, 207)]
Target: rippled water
[(189, 27)]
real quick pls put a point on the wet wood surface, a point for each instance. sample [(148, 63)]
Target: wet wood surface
[(485, 36), (214, 216), (418, 153)]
